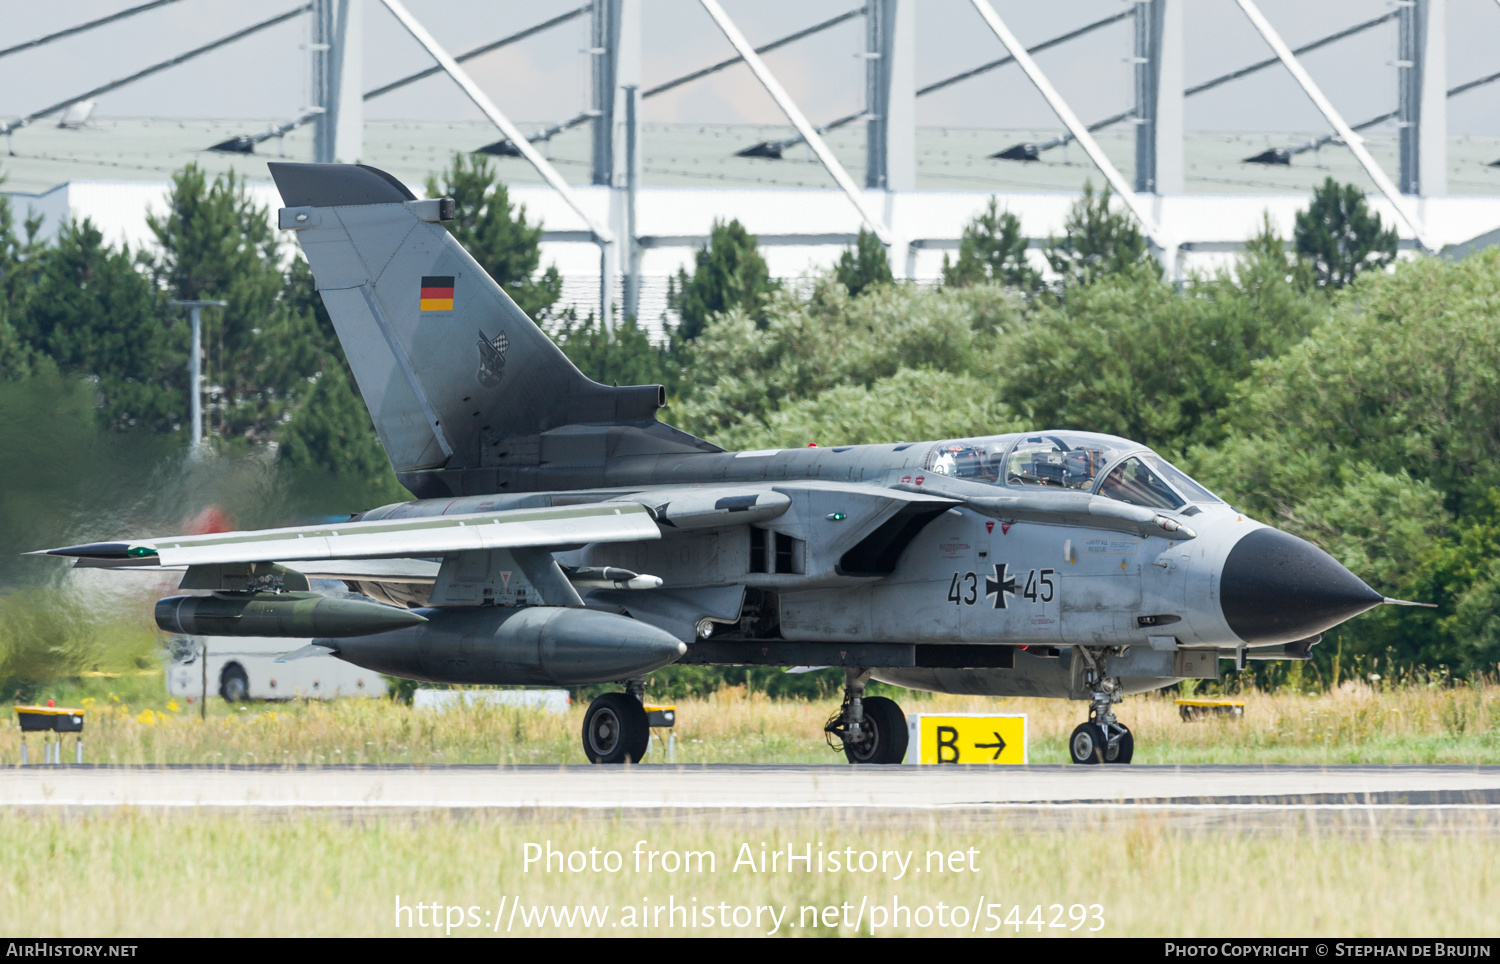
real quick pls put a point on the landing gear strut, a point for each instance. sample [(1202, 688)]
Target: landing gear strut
[(869, 729), (1103, 739), (615, 728)]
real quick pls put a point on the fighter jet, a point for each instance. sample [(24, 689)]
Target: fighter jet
[(561, 534)]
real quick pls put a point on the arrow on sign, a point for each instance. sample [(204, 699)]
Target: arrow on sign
[(998, 746)]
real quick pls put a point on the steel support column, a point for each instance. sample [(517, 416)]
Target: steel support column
[(1422, 108), (616, 54), (631, 249), (338, 63), (1158, 96), (890, 95)]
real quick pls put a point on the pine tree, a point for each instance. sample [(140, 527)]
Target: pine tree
[(1097, 241), (864, 265), (1339, 236), (729, 273), (992, 249), (217, 243), (94, 313), (332, 432), (16, 259), (496, 235), (624, 356)]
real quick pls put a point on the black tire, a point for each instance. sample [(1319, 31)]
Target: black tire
[(888, 736), (615, 730), (1087, 744), (234, 685), (1123, 749)]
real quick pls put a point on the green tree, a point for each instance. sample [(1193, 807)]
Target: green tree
[(624, 356), (496, 234), (992, 249), (17, 259), (93, 312), (331, 433), (1339, 236), (728, 274), (217, 243), (863, 265), (1375, 437), (1131, 356), (739, 373), (914, 403), (1097, 240)]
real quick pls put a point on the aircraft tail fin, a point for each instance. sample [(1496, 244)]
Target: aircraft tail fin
[(461, 384)]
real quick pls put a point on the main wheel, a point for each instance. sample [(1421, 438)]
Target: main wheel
[(1123, 749), (615, 729), (886, 726), (234, 685), (1087, 744)]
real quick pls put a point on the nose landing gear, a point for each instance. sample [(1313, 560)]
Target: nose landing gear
[(1103, 739)]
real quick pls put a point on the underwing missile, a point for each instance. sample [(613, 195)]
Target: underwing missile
[(291, 614)]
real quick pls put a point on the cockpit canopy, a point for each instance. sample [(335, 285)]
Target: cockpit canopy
[(1115, 468)]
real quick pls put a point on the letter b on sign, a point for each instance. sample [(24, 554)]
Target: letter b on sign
[(947, 744)]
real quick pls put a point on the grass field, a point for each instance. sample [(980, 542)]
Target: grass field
[(133, 874), (130, 720), (141, 873)]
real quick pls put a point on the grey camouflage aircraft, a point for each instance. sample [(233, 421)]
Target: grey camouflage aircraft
[(562, 535)]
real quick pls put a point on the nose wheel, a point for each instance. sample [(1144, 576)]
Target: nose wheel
[(1103, 739), (1090, 744)]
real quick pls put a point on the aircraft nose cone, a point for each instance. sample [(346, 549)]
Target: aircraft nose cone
[(1276, 588)]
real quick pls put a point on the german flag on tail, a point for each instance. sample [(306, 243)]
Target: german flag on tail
[(437, 293)]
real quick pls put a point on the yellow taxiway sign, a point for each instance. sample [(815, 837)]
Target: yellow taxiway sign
[(967, 738)]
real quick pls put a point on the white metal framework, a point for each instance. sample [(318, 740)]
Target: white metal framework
[(891, 91)]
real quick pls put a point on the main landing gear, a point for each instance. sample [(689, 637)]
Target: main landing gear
[(1103, 739), (869, 729), (615, 728)]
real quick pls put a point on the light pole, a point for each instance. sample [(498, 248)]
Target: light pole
[(195, 363)]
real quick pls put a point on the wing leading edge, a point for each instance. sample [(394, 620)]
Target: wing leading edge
[(430, 536)]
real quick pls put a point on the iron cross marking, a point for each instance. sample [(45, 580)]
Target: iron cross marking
[(1002, 585)]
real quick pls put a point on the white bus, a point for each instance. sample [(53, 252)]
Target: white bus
[(245, 668)]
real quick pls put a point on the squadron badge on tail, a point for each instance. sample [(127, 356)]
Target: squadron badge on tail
[(492, 358)]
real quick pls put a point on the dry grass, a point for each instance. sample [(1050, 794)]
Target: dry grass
[(1355, 724), (132, 874)]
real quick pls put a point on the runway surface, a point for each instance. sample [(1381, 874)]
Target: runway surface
[(1224, 789)]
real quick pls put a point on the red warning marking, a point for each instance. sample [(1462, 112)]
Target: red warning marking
[(989, 527), (905, 480), (921, 479), (1005, 528)]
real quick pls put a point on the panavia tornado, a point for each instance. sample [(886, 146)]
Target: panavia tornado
[(562, 535)]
